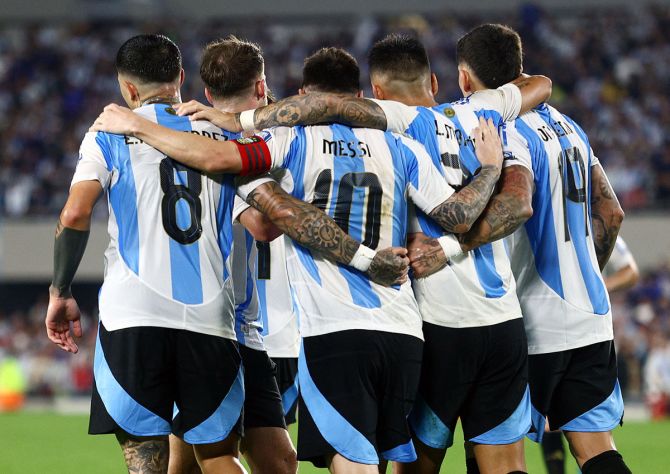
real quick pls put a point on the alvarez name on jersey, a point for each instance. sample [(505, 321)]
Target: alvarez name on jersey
[(170, 232)]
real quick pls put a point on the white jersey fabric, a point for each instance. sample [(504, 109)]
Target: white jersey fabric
[(170, 232), (476, 288), (363, 179), (560, 287)]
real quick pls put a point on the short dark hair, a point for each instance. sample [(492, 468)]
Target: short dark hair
[(493, 52), (402, 57), (150, 58), (331, 70), (230, 66)]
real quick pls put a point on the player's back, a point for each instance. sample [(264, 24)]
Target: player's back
[(362, 178), (560, 287), (170, 235)]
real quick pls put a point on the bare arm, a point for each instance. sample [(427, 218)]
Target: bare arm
[(315, 230), (205, 154), (625, 278), (69, 244), (534, 91), (606, 214), (505, 212), (259, 226)]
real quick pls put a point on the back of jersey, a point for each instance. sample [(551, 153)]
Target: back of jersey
[(562, 293), (170, 232), (362, 178)]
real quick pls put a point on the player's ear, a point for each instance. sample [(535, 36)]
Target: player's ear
[(377, 92), (301, 91), (464, 80), (208, 96), (434, 86), (360, 94), (260, 89), (182, 76)]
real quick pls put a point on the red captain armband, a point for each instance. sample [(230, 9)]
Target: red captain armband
[(255, 155)]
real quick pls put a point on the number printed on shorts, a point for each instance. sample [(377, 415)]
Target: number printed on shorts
[(173, 194)]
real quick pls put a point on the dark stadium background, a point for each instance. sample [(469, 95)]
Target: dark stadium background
[(610, 66)]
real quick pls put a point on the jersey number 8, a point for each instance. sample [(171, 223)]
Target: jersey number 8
[(173, 193)]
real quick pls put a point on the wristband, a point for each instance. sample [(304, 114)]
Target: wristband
[(362, 259), (254, 155), (450, 246), (247, 120)]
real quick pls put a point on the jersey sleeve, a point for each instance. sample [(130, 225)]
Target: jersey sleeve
[(427, 186), (515, 149), (245, 185), (92, 165), (594, 159), (265, 151), (398, 116), (239, 206), (506, 100)]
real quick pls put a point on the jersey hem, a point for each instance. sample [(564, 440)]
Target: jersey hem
[(537, 349), (474, 324), (117, 324)]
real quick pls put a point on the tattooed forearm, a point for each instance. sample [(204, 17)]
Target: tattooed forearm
[(304, 223), (505, 212), (458, 213), (318, 107), (426, 255), (606, 215), (146, 456), (387, 267), (69, 246)]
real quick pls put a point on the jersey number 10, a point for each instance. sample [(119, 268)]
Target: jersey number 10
[(344, 203)]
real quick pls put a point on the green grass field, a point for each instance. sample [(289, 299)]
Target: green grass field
[(42, 443)]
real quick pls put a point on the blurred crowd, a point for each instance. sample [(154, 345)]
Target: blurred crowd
[(610, 69), (641, 326)]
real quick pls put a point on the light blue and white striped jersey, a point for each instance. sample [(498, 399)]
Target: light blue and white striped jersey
[(560, 287), (362, 178), (480, 282), (170, 231)]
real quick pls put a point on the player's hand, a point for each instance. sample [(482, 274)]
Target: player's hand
[(487, 144), (390, 266), (116, 119), (425, 255), (197, 111), (63, 321)]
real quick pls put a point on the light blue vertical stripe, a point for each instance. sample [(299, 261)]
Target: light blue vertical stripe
[(184, 259), (335, 429), (577, 227), (123, 199), (540, 227), (488, 276), (224, 220), (261, 287), (399, 196), (360, 288)]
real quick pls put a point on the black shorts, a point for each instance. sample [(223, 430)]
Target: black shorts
[(152, 381), (262, 403), (287, 379), (577, 390), (356, 389), (479, 375)]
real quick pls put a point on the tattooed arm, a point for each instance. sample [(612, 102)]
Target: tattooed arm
[(458, 213), (315, 230), (606, 214), (71, 237), (505, 212)]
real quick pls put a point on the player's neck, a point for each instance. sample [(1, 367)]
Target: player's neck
[(236, 105), (166, 95), (420, 98)]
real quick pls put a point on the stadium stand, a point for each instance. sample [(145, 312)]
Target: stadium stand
[(55, 78)]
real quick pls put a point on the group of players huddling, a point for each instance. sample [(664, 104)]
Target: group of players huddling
[(496, 202)]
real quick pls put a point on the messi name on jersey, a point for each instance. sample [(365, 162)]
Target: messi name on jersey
[(347, 149)]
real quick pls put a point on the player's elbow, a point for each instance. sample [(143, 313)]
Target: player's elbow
[(524, 212), (265, 232), (547, 87), (76, 215)]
